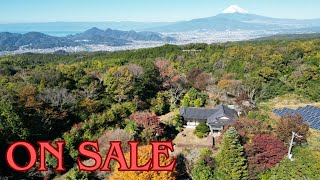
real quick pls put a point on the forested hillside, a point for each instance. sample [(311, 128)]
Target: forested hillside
[(109, 96), (36, 40)]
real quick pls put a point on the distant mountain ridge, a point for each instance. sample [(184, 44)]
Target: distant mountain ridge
[(235, 18), (67, 28), (230, 19), (234, 24), (96, 35), (237, 21), (36, 40)]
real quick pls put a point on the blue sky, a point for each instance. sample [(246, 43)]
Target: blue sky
[(13, 11)]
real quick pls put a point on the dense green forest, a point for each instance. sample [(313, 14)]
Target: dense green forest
[(105, 95)]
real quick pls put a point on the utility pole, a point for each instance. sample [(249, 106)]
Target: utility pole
[(291, 144)]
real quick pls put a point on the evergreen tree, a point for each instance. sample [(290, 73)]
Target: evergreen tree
[(204, 168), (202, 171), (231, 163)]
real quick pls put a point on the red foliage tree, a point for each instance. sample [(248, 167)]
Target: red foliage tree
[(145, 119), (148, 121), (263, 153)]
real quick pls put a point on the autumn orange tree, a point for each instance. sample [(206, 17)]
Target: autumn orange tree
[(289, 124), (144, 154)]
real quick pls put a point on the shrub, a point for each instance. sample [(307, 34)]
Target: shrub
[(131, 127), (202, 130), (74, 174), (178, 122)]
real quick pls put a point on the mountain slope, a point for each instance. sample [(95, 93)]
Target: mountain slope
[(220, 22), (33, 40), (236, 18), (95, 35), (36, 40)]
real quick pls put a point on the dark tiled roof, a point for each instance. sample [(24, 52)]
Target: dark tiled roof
[(211, 116), (223, 111), (310, 114), (231, 113), (197, 113)]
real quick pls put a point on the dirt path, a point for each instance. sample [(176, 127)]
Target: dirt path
[(168, 117), (186, 139)]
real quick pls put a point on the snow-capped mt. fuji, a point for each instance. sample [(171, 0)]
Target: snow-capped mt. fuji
[(234, 9)]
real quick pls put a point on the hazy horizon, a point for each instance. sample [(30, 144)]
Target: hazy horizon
[(36, 11)]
